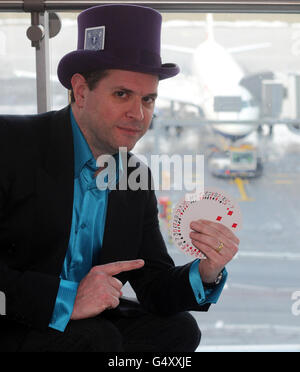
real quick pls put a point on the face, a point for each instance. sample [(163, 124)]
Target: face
[(118, 112)]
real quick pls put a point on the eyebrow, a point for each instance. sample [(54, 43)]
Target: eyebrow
[(126, 90)]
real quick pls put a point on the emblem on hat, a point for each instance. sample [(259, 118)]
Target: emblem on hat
[(94, 38)]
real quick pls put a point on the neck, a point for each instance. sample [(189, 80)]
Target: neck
[(95, 149)]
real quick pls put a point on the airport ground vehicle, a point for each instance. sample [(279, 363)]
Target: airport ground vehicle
[(242, 161)]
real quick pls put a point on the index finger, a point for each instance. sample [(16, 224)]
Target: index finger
[(115, 268)]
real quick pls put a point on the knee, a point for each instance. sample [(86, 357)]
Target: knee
[(99, 335), (106, 338), (189, 331)]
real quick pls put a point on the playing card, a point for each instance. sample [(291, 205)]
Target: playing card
[(94, 38), (213, 205)]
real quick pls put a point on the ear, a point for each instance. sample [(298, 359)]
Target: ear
[(79, 86)]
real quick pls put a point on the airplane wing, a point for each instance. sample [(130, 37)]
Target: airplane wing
[(179, 49), (247, 48), (234, 50)]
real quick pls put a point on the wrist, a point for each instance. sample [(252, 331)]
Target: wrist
[(215, 282), (207, 273)]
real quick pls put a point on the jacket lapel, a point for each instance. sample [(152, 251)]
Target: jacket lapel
[(55, 184), (111, 250), (118, 241)]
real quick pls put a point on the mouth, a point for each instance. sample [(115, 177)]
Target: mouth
[(130, 131)]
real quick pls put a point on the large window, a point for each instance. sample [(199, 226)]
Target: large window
[(236, 102), (17, 71), (239, 68)]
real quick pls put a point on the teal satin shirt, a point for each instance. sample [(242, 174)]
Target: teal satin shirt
[(87, 229)]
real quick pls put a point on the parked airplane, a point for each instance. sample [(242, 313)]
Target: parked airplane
[(218, 85)]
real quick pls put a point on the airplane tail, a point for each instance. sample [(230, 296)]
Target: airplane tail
[(210, 35)]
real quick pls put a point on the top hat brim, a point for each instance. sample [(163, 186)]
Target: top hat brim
[(82, 61)]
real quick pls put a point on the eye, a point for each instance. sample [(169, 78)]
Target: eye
[(149, 99), (121, 94)]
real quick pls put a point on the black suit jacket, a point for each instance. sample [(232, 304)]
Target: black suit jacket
[(36, 200)]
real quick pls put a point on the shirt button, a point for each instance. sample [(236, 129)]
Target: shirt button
[(83, 226)]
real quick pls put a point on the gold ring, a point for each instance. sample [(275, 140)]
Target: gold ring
[(220, 247)]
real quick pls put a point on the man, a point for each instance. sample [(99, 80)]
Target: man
[(67, 246)]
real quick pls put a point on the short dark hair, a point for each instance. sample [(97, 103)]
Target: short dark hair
[(92, 78)]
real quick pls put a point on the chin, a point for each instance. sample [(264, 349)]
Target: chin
[(129, 146)]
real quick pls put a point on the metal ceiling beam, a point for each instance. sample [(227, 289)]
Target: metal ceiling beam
[(233, 6), (33, 5)]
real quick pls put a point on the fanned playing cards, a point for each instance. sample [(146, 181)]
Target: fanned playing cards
[(211, 204)]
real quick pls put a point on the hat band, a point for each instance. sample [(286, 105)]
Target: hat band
[(134, 56)]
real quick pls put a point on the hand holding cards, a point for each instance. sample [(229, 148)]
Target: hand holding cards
[(213, 205)]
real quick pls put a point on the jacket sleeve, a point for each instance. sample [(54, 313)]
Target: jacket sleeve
[(160, 286), (29, 295)]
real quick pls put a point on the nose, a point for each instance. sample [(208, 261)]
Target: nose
[(135, 110)]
